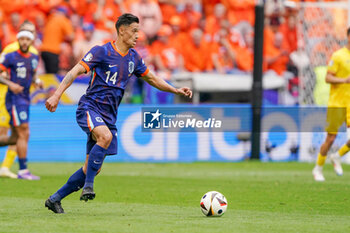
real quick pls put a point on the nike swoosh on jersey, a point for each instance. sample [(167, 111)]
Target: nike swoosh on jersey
[(112, 65)]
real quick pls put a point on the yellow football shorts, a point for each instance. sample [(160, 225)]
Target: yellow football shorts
[(336, 116)]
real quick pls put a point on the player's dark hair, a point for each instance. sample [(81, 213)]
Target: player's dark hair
[(126, 19), (25, 22), (348, 31)]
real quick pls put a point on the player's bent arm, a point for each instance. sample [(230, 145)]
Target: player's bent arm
[(52, 102), (14, 87), (77, 70), (330, 78), (160, 84)]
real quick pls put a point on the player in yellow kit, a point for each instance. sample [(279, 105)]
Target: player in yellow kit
[(4, 115), (338, 75)]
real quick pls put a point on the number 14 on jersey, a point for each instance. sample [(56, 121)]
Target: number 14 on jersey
[(112, 78)]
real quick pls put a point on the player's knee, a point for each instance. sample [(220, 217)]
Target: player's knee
[(106, 139), (22, 132)]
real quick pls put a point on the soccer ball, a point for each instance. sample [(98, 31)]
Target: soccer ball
[(213, 203)]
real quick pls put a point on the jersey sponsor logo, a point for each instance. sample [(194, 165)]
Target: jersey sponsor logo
[(23, 115), (34, 64), (131, 66), (112, 66), (88, 57), (98, 119)]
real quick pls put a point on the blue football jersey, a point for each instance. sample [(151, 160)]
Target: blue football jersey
[(110, 73), (22, 69)]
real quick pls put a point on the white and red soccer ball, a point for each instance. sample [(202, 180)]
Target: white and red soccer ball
[(213, 203)]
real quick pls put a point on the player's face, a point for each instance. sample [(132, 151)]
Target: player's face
[(131, 34), (24, 43)]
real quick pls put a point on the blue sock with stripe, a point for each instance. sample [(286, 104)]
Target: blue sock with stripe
[(95, 161), (74, 183), (22, 163)]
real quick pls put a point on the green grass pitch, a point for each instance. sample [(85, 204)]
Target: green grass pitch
[(143, 197)]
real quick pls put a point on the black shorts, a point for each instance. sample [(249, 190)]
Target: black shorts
[(51, 61)]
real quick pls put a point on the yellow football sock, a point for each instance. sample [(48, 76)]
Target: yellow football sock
[(321, 159), (343, 150), (9, 159)]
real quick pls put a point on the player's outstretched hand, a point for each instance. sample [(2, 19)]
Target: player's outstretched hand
[(15, 88), (51, 103), (185, 91)]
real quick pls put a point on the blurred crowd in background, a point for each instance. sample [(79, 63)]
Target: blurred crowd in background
[(176, 35)]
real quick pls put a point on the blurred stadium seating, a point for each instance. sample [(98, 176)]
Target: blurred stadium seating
[(210, 36)]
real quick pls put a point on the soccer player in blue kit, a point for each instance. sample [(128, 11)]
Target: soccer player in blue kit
[(111, 66), (22, 65)]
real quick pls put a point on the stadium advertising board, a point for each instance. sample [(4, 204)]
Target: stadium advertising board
[(288, 134)]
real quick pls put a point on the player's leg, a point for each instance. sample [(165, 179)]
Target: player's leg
[(9, 158), (103, 137), (321, 157), (22, 147), (336, 157), (6, 140), (74, 183)]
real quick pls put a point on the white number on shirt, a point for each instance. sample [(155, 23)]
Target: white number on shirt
[(113, 78), (21, 72)]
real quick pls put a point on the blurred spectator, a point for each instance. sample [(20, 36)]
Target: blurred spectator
[(289, 31), (150, 16), (197, 53), (58, 29), (168, 9), (274, 8), (105, 15), (190, 17), (178, 37), (81, 47), (167, 57), (40, 20), (224, 56), (240, 10), (11, 28), (276, 56), (245, 60), (213, 22), (208, 6)]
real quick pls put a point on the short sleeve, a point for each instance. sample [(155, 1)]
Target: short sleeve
[(4, 62), (92, 58), (333, 64), (141, 68)]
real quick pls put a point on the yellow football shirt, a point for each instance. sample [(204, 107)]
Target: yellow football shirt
[(339, 66)]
